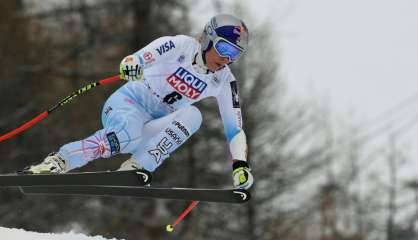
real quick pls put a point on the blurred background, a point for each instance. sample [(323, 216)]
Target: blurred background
[(329, 97)]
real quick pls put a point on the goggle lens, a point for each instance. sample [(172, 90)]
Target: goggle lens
[(226, 49)]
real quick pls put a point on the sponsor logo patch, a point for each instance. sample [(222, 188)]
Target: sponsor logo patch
[(181, 127), (167, 46), (235, 95), (161, 149), (239, 119), (174, 136), (108, 110), (240, 32), (181, 59), (148, 58), (113, 143), (186, 83), (216, 80)]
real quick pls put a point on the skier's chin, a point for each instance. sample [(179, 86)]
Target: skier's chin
[(215, 67)]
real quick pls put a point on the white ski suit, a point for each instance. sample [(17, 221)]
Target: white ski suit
[(151, 118)]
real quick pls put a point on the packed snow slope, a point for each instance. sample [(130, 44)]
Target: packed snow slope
[(19, 234)]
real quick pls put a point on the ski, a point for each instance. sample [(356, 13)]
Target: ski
[(204, 195), (108, 178)]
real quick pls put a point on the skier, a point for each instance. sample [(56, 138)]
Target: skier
[(152, 114)]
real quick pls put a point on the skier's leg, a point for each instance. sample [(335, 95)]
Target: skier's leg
[(164, 135), (123, 121)]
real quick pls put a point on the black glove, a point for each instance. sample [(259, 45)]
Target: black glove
[(241, 175)]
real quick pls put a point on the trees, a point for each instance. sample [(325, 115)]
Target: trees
[(80, 41), (304, 175), (58, 49)]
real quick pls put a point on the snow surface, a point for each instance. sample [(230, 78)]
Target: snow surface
[(19, 234)]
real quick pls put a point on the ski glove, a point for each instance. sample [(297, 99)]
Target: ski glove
[(131, 68), (241, 175)]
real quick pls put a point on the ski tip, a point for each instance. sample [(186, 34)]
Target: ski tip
[(242, 195), (145, 176), (169, 228)]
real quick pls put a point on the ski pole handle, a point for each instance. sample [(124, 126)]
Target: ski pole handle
[(64, 101)]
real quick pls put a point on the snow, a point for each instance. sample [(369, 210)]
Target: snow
[(19, 234)]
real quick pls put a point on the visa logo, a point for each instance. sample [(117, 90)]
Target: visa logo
[(167, 46), (186, 83)]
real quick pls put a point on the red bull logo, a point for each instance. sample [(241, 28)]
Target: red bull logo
[(186, 83), (240, 32), (239, 29)]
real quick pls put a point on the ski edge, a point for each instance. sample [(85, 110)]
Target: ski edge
[(123, 178), (237, 196)]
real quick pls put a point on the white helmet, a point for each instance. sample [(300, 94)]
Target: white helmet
[(227, 34)]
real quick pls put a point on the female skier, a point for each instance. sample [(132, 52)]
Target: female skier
[(152, 114)]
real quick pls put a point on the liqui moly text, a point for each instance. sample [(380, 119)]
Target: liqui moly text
[(186, 83)]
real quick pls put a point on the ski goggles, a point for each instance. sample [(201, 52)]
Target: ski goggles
[(224, 48)]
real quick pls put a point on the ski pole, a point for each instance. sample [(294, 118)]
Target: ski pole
[(64, 101), (170, 227)]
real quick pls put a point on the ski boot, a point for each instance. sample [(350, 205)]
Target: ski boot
[(53, 163), (130, 164)]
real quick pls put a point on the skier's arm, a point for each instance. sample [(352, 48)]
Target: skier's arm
[(161, 49), (229, 107)]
